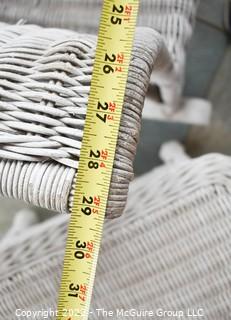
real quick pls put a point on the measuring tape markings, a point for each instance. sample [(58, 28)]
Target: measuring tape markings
[(108, 85)]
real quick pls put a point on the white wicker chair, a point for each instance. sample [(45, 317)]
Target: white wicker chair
[(44, 93), (170, 250), (173, 19), (45, 79)]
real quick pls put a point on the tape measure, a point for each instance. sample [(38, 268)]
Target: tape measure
[(110, 72)]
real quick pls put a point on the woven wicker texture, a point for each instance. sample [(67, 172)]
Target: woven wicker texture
[(170, 250), (174, 19), (45, 79)]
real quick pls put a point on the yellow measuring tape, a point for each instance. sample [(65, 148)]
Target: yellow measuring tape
[(113, 55)]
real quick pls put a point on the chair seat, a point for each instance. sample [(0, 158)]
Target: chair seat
[(170, 250)]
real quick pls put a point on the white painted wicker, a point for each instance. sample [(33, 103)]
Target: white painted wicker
[(45, 79), (174, 19), (170, 250)]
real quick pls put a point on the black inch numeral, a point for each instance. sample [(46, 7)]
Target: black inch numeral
[(102, 118), (93, 165), (104, 107), (80, 254), (95, 155), (119, 10), (108, 69), (72, 287), (80, 245), (111, 59), (100, 106), (85, 200), (87, 210), (116, 20)]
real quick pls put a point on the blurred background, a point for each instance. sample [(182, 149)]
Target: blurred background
[(207, 76)]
